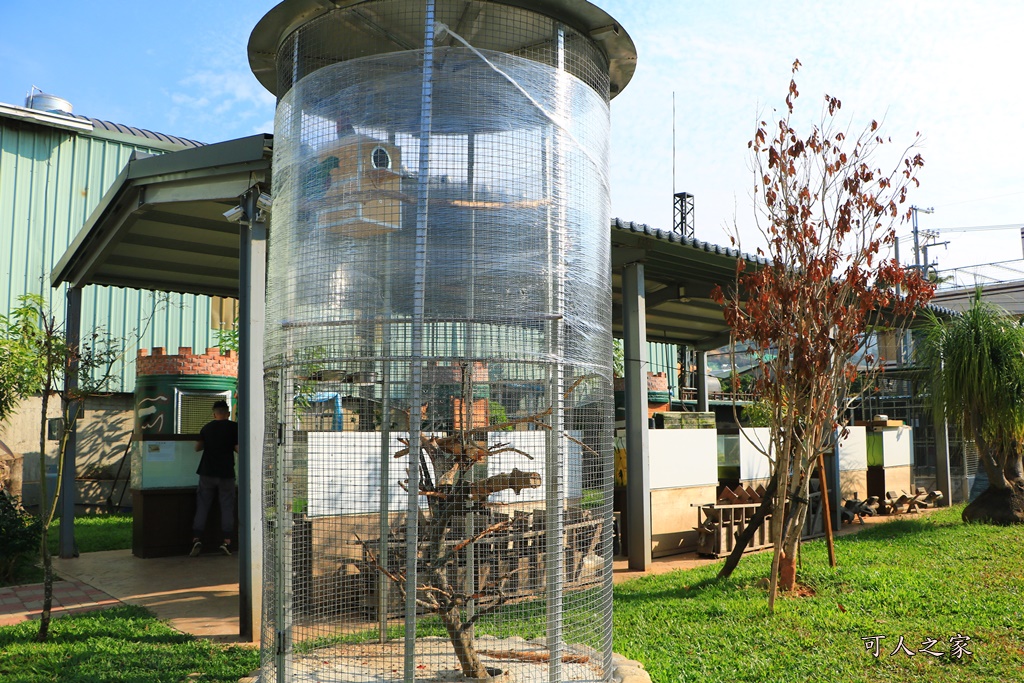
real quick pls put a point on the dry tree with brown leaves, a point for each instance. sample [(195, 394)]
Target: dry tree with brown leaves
[(828, 215)]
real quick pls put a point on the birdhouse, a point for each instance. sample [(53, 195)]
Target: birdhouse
[(363, 197)]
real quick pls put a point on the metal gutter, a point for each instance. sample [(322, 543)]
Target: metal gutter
[(45, 118)]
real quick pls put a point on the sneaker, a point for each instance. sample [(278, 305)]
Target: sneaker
[(197, 547), (225, 548)]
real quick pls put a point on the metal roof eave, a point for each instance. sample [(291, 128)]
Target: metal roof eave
[(672, 261), (191, 173), (287, 16), (45, 118)]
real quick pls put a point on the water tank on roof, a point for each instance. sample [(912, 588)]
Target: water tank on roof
[(45, 102)]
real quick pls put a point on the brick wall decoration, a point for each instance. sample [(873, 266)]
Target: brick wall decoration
[(213, 362)]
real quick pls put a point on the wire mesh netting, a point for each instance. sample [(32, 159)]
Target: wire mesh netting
[(438, 360)]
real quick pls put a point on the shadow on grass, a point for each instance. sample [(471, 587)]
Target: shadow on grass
[(690, 591), (897, 528), (906, 528), (127, 622)]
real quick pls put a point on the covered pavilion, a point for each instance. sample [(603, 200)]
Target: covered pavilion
[(162, 227)]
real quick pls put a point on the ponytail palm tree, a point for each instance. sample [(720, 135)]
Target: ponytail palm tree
[(976, 369)]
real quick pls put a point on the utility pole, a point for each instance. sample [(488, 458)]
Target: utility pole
[(905, 354), (930, 237), (917, 244)]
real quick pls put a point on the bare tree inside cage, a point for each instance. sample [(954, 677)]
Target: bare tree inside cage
[(438, 361)]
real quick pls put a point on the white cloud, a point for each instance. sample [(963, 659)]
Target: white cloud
[(929, 67), (218, 101)]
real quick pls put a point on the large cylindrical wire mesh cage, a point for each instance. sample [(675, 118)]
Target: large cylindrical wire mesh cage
[(438, 348)]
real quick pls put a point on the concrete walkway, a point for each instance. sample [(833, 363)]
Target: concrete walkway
[(197, 595)]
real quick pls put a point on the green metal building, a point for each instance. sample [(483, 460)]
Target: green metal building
[(55, 167)]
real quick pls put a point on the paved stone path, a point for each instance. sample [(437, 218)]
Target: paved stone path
[(21, 603)]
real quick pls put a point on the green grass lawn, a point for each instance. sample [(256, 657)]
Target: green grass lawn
[(921, 578), (120, 645), (97, 532), (92, 533)]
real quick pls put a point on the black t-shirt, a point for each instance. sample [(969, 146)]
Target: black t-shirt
[(219, 440)]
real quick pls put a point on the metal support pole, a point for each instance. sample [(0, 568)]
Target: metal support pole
[(384, 526), (416, 335), (701, 381), (834, 492), (252, 271), (942, 475), (638, 474), (283, 519), (554, 482), (71, 409), (917, 243), (384, 523), (471, 355)]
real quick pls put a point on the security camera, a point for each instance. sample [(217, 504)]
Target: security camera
[(235, 215), (264, 202)]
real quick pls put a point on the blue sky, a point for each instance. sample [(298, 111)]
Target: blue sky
[(947, 69)]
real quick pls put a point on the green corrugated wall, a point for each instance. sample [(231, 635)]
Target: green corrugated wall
[(665, 358), (50, 182)]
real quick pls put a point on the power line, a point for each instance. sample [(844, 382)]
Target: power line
[(985, 265), (981, 199), (982, 228)]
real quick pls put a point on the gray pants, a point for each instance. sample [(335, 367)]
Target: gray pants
[(224, 489)]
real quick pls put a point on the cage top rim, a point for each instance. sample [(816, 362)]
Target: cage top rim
[(590, 20)]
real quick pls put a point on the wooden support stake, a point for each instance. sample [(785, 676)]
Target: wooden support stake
[(827, 521)]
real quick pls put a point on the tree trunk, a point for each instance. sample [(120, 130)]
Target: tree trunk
[(44, 617), (777, 527), (996, 479), (44, 515), (1012, 468), (462, 642), (997, 506), (793, 527), (442, 514), (787, 571), (987, 456), (755, 523)]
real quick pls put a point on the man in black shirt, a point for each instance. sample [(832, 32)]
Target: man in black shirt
[(218, 441)]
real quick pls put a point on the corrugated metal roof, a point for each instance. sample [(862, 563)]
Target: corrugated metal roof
[(100, 124), (51, 179), (161, 225), (679, 275), (1006, 295), (676, 238), (86, 125)]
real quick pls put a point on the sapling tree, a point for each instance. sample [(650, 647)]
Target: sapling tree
[(92, 362), (39, 345), (828, 215), (20, 370), (20, 376)]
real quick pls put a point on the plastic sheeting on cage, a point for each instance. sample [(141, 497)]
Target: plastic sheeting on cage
[(439, 266)]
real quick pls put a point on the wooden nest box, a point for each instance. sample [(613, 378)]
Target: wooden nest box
[(363, 198)]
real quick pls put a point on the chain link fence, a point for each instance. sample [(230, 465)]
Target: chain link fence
[(438, 349)]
